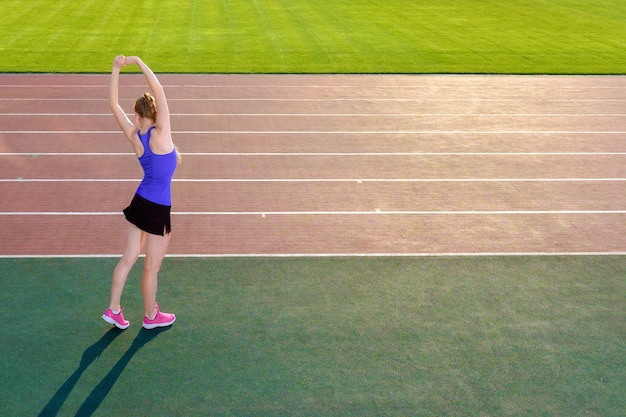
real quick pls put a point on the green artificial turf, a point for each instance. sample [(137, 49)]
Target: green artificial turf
[(460, 336), (317, 36)]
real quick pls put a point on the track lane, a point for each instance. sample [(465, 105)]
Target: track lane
[(439, 125)]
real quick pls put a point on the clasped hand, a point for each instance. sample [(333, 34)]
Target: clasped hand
[(122, 61)]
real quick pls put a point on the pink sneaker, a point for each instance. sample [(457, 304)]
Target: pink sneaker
[(115, 319), (160, 320)]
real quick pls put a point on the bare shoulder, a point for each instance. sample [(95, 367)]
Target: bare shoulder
[(161, 141), (133, 138)]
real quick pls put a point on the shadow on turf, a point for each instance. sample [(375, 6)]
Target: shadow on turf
[(100, 391)]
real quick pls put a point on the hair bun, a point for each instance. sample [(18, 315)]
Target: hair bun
[(145, 106)]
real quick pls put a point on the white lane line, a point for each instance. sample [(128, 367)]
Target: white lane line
[(21, 179), (316, 180), (337, 132), (325, 213), (343, 86), (70, 154), (484, 115), (320, 153), (347, 99)]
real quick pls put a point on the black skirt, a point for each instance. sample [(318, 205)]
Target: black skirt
[(148, 216)]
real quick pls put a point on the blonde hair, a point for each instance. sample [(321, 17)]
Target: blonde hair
[(145, 106), (179, 157)]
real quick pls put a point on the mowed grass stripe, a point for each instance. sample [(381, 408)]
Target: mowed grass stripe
[(315, 36)]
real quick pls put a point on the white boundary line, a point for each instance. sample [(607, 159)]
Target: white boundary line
[(419, 254), (338, 255), (311, 76), (341, 86)]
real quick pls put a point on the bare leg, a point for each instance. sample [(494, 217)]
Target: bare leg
[(134, 243), (156, 247)]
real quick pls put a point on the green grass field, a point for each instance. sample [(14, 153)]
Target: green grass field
[(494, 336), (317, 36)]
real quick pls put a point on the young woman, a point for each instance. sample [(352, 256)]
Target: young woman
[(148, 215)]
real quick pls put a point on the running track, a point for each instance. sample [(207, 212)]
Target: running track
[(321, 165)]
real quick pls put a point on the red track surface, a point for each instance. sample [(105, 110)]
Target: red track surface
[(324, 164)]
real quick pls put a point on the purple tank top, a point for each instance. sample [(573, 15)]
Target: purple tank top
[(157, 173)]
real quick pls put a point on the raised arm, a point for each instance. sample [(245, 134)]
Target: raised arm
[(163, 113), (120, 116)]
